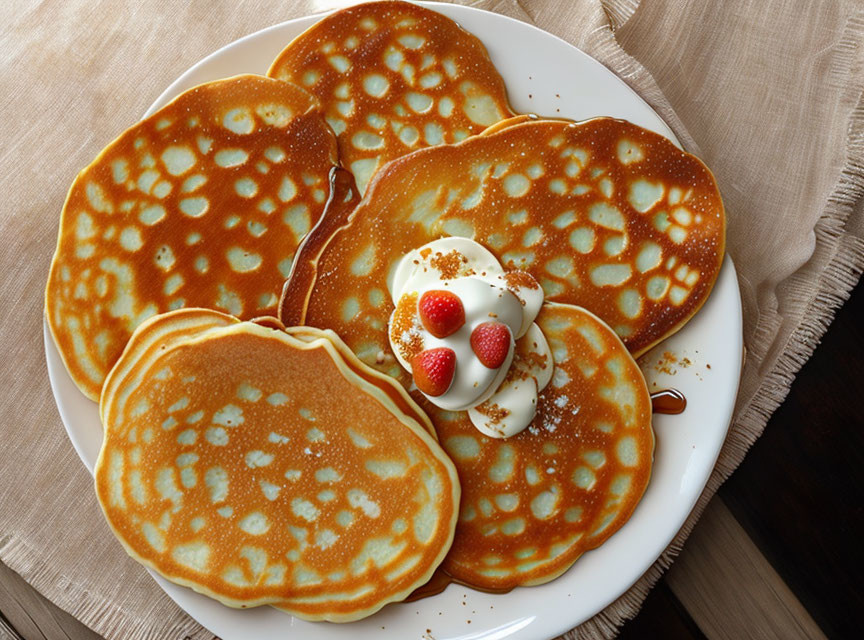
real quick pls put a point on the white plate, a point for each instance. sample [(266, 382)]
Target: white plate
[(543, 74)]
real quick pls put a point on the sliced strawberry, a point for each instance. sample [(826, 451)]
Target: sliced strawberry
[(441, 312), (490, 341), (433, 370)]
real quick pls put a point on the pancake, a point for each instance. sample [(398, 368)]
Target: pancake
[(201, 204), (395, 391), (603, 214), (533, 503), (394, 77), (258, 469), (152, 338)]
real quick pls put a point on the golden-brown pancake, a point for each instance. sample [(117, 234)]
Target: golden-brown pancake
[(260, 469), (604, 214), (394, 77), (533, 503), (152, 338), (201, 204), (395, 391)]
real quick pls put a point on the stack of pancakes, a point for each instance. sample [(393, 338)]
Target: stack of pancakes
[(266, 461), (226, 469)]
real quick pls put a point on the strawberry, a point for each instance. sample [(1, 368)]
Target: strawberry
[(433, 370), (490, 342), (441, 312)]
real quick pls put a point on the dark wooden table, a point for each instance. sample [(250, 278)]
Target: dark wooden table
[(797, 501), (777, 553)]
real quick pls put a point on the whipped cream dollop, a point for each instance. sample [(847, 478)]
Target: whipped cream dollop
[(500, 401)]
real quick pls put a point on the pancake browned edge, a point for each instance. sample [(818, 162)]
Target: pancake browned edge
[(258, 468), (201, 204), (394, 77)]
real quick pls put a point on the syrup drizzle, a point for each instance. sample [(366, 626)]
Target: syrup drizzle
[(668, 401), (295, 291), (439, 581)]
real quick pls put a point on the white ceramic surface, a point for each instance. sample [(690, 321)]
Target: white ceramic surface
[(544, 75)]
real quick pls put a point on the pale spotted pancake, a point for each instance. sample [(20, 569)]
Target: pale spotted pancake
[(162, 332), (395, 391), (258, 468), (201, 204), (604, 214), (152, 339), (394, 77), (533, 503)]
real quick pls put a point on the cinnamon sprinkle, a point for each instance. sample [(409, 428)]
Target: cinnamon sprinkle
[(534, 359), (492, 411), (412, 347), (449, 264), (670, 362), (517, 372), (521, 279), (524, 363), (403, 330)]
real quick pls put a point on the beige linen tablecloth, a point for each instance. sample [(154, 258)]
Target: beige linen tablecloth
[(769, 93)]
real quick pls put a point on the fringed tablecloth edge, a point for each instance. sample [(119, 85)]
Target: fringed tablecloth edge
[(835, 283)]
